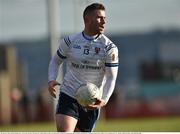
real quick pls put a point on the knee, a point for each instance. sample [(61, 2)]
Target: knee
[(61, 128)]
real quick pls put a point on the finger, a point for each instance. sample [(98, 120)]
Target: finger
[(58, 84), (92, 106), (97, 102), (52, 92), (53, 95)]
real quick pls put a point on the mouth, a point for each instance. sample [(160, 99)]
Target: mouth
[(101, 27)]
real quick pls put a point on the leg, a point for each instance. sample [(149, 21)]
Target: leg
[(77, 130), (65, 123), (87, 119)]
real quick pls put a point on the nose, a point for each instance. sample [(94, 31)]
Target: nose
[(103, 21)]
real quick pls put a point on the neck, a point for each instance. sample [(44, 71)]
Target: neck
[(89, 33), (88, 37)]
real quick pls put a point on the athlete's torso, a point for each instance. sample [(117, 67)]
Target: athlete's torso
[(86, 60)]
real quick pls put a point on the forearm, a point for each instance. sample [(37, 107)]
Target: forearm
[(110, 81)]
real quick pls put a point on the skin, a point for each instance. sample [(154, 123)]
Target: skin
[(94, 24)]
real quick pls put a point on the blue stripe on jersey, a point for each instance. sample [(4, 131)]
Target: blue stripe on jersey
[(60, 55), (67, 41), (111, 64), (109, 47)]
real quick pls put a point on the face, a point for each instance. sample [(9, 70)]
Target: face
[(96, 22)]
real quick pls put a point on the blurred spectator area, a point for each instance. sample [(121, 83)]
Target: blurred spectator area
[(149, 75), (23, 81)]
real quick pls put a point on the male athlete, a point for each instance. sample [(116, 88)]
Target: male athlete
[(90, 57)]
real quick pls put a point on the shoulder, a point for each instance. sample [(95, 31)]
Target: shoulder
[(108, 44), (69, 39), (73, 37)]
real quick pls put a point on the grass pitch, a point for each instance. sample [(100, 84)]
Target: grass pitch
[(169, 124)]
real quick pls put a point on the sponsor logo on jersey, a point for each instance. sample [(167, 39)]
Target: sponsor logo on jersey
[(81, 66), (87, 47), (85, 61), (76, 46)]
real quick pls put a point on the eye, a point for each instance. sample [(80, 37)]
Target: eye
[(103, 19)]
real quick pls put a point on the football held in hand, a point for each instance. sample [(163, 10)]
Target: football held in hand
[(87, 94)]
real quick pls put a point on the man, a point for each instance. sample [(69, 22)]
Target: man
[(90, 57)]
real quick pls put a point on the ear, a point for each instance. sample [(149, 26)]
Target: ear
[(86, 19)]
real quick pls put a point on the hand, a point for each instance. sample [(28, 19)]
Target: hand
[(51, 87), (99, 103)]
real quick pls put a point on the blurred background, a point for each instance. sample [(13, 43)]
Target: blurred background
[(146, 32)]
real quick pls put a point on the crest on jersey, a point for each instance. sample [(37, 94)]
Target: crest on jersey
[(97, 49), (114, 57)]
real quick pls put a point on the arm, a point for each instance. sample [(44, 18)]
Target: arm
[(108, 87), (110, 81), (54, 64), (54, 67), (111, 71), (52, 74)]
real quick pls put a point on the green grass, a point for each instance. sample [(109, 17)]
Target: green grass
[(32, 127), (171, 124), (141, 125)]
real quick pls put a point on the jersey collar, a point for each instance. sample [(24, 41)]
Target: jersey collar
[(90, 38)]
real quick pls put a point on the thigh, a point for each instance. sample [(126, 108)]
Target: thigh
[(66, 113), (65, 123)]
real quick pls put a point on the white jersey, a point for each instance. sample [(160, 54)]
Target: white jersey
[(87, 59)]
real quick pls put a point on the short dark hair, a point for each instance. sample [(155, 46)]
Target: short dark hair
[(92, 7)]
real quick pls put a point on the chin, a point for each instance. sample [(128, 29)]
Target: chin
[(101, 32)]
